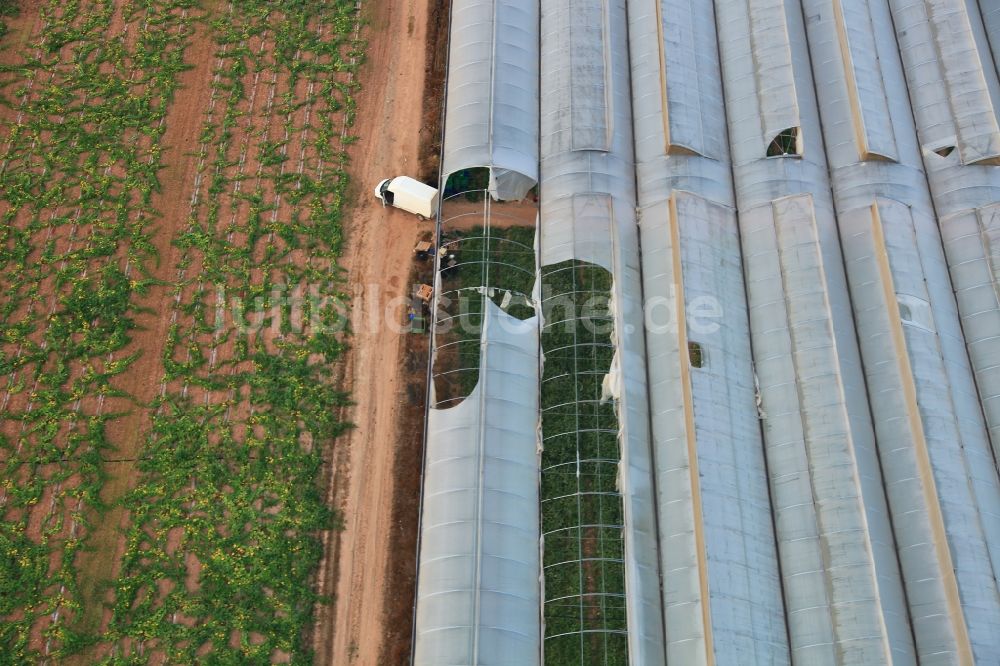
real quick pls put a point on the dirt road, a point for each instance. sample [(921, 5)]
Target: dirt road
[(360, 561)]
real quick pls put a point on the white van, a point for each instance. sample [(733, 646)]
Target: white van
[(410, 195)]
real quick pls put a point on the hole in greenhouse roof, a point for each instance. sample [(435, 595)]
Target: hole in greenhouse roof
[(915, 311), (486, 254), (697, 355), (582, 514), (786, 142), (472, 183), (944, 151)]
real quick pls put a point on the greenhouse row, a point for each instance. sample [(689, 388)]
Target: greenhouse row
[(716, 336)]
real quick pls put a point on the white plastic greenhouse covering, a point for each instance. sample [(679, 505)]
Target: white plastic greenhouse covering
[(991, 19), (478, 592), (966, 195), (721, 586), (491, 113), (843, 596), (478, 587), (804, 195), (930, 431)]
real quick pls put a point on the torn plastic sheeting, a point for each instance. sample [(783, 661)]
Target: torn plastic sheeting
[(587, 227), (625, 383), (578, 227), (588, 214), (509, 184)]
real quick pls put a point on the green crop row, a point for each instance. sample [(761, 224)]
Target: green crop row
[(224, 537), (581, 509), (8, 8), (77, 170)]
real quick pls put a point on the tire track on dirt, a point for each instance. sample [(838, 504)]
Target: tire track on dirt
[(359, 560)]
